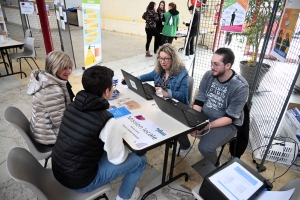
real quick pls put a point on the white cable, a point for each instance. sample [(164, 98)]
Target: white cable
[(206, 132)]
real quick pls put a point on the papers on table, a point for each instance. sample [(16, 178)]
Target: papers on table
[(235, 182), (275, 195), (119, 112), (141, 131)]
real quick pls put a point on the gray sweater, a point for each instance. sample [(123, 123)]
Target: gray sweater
[(223, 99)]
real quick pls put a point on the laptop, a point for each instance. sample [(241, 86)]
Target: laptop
[(181, 112), (136, 85)]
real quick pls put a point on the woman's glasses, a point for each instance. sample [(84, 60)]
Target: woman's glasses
[(163, 59)]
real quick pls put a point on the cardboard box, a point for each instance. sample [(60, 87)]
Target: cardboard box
[(292, 117)]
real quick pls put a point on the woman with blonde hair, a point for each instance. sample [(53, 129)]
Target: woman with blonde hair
[(170, 75), (51, 93)]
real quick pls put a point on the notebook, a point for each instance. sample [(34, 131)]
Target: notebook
[(181, 112), (136, 85)]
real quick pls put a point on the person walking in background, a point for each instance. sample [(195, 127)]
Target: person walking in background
[(159, 24), (228, 38), (279, 39), (189, 51), (51, 93), (151, 18), (285, 43), (232, 18), (171, 21)]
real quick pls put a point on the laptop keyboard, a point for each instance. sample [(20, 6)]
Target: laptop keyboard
[(192, 119)]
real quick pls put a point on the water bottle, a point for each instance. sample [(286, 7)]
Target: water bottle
[(8, 36)]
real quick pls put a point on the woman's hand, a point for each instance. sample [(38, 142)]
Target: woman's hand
[(159, 90)]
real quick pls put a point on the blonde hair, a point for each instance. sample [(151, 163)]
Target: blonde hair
[(56, 61), (177, 64)]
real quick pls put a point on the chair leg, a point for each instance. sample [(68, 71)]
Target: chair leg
[(178, 152), (19, 60), (28, 63), (46, 161), (35, 63), (220, 154), (102, 197)]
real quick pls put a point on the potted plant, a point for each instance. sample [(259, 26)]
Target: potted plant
[(256, 22)]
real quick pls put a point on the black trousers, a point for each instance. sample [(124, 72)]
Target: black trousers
[(150, 33), (166, 39), (189, 50)]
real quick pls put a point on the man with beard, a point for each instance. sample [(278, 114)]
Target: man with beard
[(222, 96)]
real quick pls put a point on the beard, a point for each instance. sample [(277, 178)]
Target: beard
[(220, 73)]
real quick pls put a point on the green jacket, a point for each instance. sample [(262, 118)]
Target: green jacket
[(170, 29)]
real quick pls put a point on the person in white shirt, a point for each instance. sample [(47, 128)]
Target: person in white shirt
[(89, 151)]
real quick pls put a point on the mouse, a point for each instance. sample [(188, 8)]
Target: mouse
[(123, 82)]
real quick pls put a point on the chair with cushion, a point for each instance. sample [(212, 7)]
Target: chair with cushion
[(25, 169), (18, 120), (28, 52)]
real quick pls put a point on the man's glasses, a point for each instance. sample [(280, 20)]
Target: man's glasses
[(163, 59), (215, 64)]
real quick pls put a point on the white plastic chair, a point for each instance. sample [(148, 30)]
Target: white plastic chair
[(17, 119), (25, 169), (28, 52)]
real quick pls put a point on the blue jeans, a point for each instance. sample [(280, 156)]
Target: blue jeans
[(132, 168)]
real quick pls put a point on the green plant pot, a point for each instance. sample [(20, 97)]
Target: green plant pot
[(249, 72)]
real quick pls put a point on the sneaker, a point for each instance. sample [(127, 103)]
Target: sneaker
[(184, 152), (136, 194), (185, 58)]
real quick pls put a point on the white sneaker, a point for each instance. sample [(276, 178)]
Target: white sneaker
[(136, 194), (184, 152), (185, 58)]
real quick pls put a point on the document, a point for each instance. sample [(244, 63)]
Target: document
[(141, 131), (235, 182), (119, 112), (275, 195)]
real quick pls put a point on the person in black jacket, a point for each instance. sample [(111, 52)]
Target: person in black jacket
[(189, 51), (89, 151), (161, 9)]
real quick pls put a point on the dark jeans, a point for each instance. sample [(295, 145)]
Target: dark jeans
[(166, 39), (157, 42), (190, 46), (150, 33)]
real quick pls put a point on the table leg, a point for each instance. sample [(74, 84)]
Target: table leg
[(4, 62), (202, 41), (9, 62), (171, 178)]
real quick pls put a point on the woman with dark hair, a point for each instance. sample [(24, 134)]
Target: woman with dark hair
[(159, 24), (171, 21), (285, 43), (279, 39), (151, 18)]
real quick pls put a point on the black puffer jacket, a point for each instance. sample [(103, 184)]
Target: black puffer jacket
[(78, 148)]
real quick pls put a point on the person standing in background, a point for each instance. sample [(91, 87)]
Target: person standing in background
[(159, 24), (171, 21), (279, 39), (151, 18), (189, 51)]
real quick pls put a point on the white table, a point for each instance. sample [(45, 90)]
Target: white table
[(169, 124), (3, 49)]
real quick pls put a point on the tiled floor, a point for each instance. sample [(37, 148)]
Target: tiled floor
[(120, 51)]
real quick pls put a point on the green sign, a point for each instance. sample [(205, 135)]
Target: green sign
[(91, 1)]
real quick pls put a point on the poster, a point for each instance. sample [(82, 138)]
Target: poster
[(141, 131), (91, 32), (286, 30), (27, 8), (233, 16), (2, 22)]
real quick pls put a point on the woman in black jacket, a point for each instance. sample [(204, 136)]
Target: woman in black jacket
[(159, 24)]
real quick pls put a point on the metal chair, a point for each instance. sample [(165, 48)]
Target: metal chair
[(25, 169), (17, 119), (29, 52)]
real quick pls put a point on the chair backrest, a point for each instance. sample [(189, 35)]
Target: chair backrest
[(190, 89), (27, 34), (25, 169), (29, 47), (19, 121)]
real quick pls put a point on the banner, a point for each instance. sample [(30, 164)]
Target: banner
[(286, 30), (233, 16), (91, 32)]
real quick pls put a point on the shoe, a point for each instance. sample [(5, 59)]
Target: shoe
[(185, 58), (136, 194), (148, 54), (184, 152)]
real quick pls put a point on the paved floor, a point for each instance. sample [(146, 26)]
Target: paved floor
[(120, 51)]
